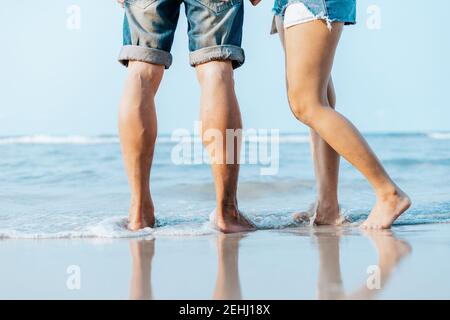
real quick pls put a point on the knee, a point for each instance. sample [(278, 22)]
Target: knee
[(304, 103), (146, 74), (331, 95), (215, 73)]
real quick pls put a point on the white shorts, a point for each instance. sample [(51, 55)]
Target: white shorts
[(297, 13)]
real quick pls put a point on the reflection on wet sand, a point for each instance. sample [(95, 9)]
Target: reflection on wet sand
[(228, 285), (390, 252), (142, 252)]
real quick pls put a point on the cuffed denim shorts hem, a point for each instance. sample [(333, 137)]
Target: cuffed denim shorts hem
[(214, 30), (144, 54), (231, 53)]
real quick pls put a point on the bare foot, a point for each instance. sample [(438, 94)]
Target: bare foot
[(232, 221), (321, 214), (329, 215), (303, 217), (141, 216), (387, 210)]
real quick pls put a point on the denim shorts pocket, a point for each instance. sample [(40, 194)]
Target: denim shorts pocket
[(143, 4), (218, 6)]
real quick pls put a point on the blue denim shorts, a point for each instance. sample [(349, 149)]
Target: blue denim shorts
[(307, 10), (214, 30)]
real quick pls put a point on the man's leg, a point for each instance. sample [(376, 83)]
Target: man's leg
[(215, 35), (148, 32), (137, 127), (219, 112)]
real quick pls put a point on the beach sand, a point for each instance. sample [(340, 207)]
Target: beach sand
[(411, 262)]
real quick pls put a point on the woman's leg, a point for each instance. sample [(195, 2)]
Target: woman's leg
[(326, 164), (326, 161), (310, 50)]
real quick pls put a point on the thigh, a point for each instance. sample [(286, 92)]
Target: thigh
[(279, 25), (152, 22), (149, 28), (310, 50), (215, 30)]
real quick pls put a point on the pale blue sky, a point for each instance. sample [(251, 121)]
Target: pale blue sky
[(60, 81)]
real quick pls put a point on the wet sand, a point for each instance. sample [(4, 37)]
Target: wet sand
[(411, 262)]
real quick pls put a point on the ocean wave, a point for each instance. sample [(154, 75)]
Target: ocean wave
[(282, 138), (439, 135), (294, 139), (286, 138), (86, 140), (417, 161), (48, 139)]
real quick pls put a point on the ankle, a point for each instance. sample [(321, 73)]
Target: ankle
[(141, 202), (226, 208), (388, 192), (328, 205)]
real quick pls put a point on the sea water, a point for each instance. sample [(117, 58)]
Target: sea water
[(75, 186)]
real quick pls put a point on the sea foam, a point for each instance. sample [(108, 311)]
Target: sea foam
[(172, 226)]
